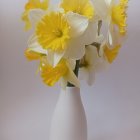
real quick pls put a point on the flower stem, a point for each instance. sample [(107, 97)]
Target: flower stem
[(99, 26), (76, 71)]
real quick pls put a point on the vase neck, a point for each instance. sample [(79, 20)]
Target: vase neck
[(71, 90)]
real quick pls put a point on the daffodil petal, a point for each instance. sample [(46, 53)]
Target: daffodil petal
[(35, 15), (110, 38), (89, 35), (99, 38), (52, 75), (75, 49), (101, 8), (76, 46), (38, 49), (111, 54), (94, 63), (78, 23), (101, 50), (113, 37), (54, 7), (88, 75), (109, 2), (63, 83), (35, 46), (91, 55), (50, 57), (72, 63), (57, 57), (71, 77)]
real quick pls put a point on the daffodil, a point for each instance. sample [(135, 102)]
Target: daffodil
[(88, 63), (53, 32), (68, 37), (92, 62), (59, 34), (33, 4), (62, 71), (115, 15), (81, 7), (84, 8)]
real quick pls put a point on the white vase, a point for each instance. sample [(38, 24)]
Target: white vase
[(69, 119)]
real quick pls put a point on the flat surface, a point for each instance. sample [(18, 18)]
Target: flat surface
[(112, 105)]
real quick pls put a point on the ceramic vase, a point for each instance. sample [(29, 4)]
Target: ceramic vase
[(69, 119)]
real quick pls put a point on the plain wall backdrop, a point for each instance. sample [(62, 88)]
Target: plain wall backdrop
[(112, 104)]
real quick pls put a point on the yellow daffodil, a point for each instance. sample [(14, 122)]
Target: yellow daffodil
[(33, 4), (51, 75), (59, 33), (82, 8), (115, 15), (53, 32)]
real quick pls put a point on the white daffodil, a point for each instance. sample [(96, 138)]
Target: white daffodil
[(115, 15), (88, 63), (92, 63), (97, 59)]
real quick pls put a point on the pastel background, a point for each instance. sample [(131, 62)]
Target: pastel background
[(26, 105)]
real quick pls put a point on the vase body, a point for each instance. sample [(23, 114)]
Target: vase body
[(69, 119)]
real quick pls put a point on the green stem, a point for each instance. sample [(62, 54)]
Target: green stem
[(76, 71), (99, 26)]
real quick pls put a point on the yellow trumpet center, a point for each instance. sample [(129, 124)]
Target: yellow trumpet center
[(119, 15), (51, 75), (53, 32), (82, 7)]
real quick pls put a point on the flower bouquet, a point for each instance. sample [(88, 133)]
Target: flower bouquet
[(73, 40)]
